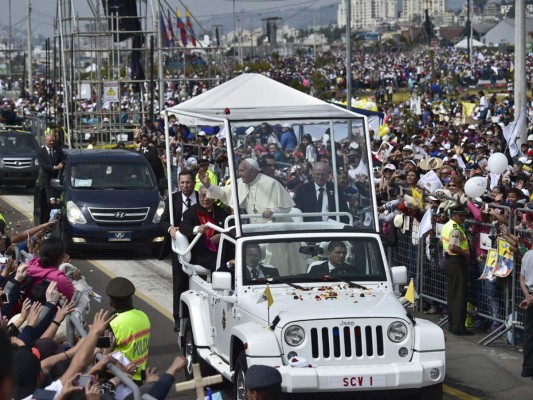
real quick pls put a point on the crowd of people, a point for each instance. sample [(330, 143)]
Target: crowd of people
[(425, 151)]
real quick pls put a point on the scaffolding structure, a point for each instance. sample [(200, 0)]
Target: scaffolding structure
[(117, 71)]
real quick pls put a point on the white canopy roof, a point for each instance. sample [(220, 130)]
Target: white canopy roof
[(255, 97), (463, 44)]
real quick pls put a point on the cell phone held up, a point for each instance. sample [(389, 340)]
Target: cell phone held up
[(103, 342), (83, 380)]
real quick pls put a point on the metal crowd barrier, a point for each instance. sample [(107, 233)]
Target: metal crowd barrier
[(494, 302)]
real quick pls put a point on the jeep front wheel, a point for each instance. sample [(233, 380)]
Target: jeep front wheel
[(189, 351), (241, 366)]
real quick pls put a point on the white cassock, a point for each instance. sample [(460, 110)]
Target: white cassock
[(264, 193)]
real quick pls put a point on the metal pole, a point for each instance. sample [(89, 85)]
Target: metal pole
[(520, 99), (348, 55), (30, 53), (9, 41), (151, 109), (160, 66), (468, 31)]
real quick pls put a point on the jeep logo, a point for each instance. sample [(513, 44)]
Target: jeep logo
[(120, 215), (347, 323)]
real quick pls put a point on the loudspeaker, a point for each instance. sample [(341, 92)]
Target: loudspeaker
[(125, 12)]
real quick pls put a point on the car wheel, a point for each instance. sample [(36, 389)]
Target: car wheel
[(432, 392), (241, 366), (189, 351)]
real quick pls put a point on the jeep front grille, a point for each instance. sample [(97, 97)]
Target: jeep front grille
[(17, 162), (347, 341), (119, 215)]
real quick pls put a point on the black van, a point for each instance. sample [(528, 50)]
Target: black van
[(18, 158), (110, 199)]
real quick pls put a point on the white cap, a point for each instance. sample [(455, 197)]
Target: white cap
[(392, 167), (473, 127), (286, 125), (407, 148), (525, 160), (530, 137), (488, 133), (201, 133)]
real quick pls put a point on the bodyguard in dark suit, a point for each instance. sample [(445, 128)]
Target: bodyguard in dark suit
[(319, 195), (150, 153), (181, 201), (204, 252), (253, 269), (336, 264), (51, 161)]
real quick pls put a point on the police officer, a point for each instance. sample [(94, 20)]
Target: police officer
[(457, 257), (262, 382), (131, 327)]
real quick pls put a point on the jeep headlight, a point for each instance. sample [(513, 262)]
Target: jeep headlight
[(294, 335), (74, 214), (158, 212), (397, 332)]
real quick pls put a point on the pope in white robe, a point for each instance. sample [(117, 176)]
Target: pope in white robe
[(260, 194)]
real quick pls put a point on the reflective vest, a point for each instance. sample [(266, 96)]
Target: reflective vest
[(447, 232), (132, 336)]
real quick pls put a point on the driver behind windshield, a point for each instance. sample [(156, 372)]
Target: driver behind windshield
[(254, 269), (336, 261)]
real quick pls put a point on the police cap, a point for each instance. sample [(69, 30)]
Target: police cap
[(261, 376), (120, 287), (459, 210)]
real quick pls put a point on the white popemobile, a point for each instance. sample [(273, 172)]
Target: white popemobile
[(327, 328)]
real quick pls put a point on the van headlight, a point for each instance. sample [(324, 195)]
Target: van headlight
[(397, 332), (74, 214), (294, 335), (159, 212)]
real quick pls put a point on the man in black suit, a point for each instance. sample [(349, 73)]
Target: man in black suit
[(181, 201), (319, 195), (204, 252), (51, 161), (336, 264), (253, 269), (150, 153)]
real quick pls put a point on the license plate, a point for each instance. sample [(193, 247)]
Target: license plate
[(354, 382), (119, 236)]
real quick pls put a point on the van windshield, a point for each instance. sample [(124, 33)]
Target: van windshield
[(110, 175), (17, 143)]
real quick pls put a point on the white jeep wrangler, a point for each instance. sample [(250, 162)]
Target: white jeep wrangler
[(327, 329)]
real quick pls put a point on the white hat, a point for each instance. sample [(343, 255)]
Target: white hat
[(530, 137), (253, 163), (392, 167), (408, 148), (286, 125), (525, 160), (471, 126), (398, 221), (488, 133), (201, 133), (192, 161)]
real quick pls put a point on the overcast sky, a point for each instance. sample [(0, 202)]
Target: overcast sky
[(44, 11)]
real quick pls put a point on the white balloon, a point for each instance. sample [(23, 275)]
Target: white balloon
[(497, 163), (475, 187)]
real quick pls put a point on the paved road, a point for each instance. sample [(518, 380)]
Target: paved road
[(473, 371)]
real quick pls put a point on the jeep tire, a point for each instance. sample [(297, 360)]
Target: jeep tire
[(241, 366), (191, 354)]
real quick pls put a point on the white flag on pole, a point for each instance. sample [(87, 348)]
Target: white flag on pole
[(425, 225), (511, 131)]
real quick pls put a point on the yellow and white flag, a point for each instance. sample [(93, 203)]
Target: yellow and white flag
[(266, 296), (410, 294)]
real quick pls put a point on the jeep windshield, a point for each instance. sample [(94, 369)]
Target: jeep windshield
[(110, 176), (341, 259)]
